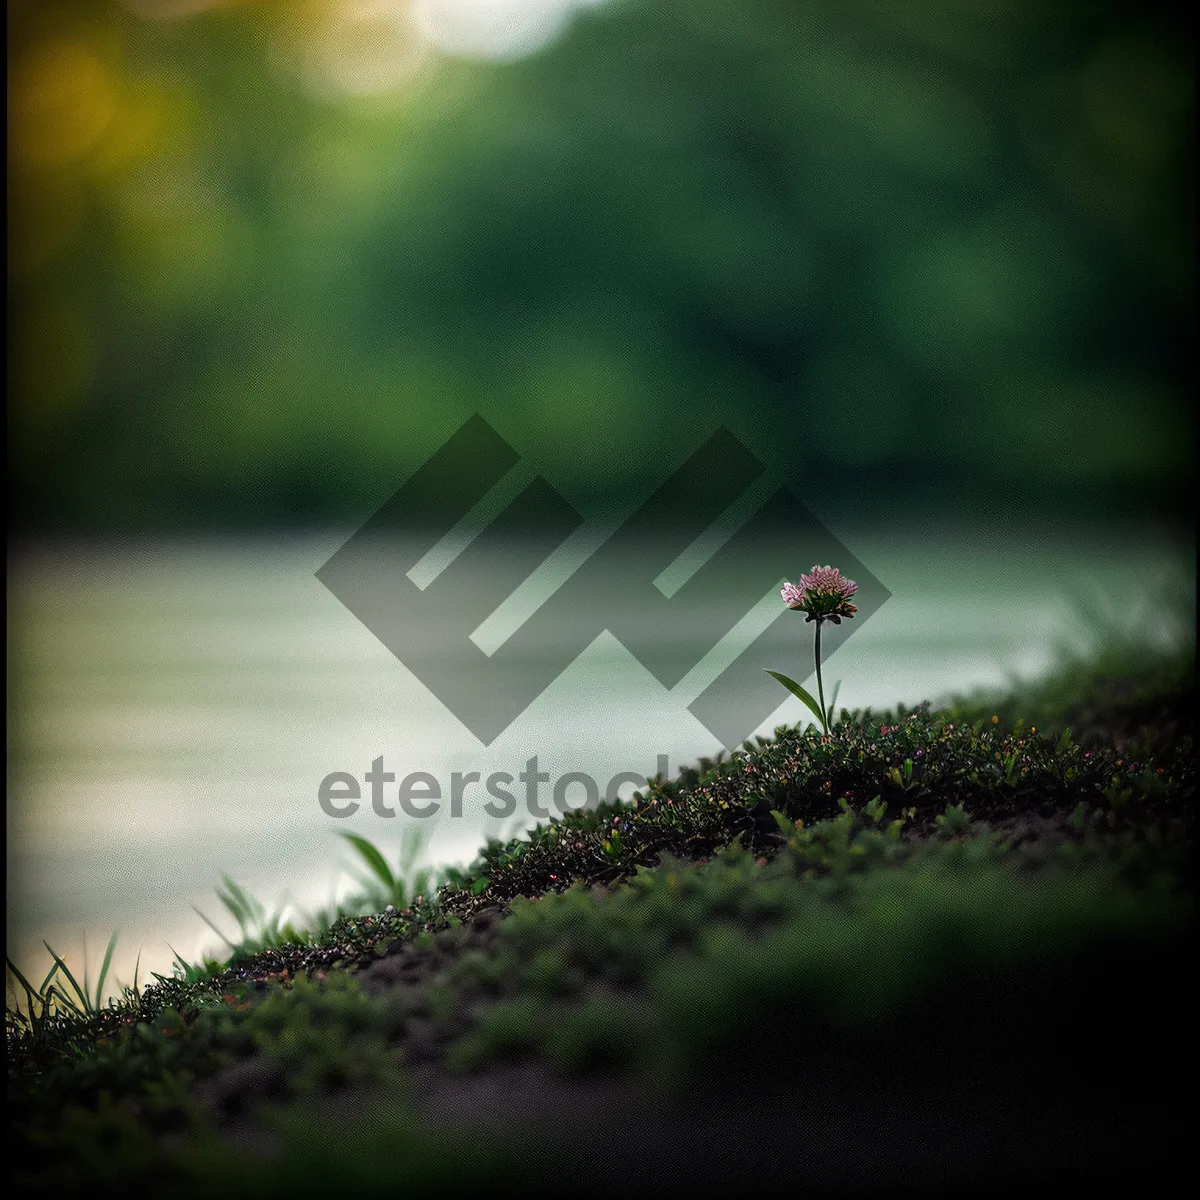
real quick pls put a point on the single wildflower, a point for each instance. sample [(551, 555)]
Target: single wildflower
[(822, 595)]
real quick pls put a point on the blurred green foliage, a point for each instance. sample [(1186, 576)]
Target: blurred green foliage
[(910, 254)]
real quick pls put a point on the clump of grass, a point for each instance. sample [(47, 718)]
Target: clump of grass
[(60, 996), (62, 1014), (380, 889), (257, 928)]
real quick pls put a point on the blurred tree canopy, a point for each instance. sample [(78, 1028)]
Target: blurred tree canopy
[(919, 256)]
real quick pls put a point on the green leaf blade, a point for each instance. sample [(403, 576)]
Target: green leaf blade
[(104, 966), (837, 687), (83, 996), (374, 860), (800, 694)]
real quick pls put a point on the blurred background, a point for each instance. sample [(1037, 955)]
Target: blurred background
[(933, 263)]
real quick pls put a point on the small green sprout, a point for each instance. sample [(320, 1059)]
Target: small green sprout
[(954, 820)]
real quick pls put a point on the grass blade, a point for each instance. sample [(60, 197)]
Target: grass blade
[(255, 911), (48, 980), (212, 927), (108, 953), (30, 994), (833, 700), (373, 859), (410, 851), (244, 909), (136, 966), (178, 958), (57, 993), (232, 908), (83, 996), (800, 694)]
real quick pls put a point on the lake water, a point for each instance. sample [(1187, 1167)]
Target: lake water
[(175, 704)]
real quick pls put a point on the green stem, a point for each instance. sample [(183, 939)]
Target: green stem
[(820, 688)]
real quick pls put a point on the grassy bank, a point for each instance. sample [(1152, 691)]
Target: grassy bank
[(932, 949)]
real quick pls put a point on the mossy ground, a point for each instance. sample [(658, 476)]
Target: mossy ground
[(932, 950)]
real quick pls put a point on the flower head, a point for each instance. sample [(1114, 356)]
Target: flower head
[(824, 594)]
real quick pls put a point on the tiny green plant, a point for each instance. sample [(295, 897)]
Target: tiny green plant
[(876, 809), (381, 886), (256, 927), (902, 776), (823, 595), (954, 820)]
